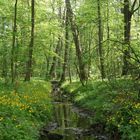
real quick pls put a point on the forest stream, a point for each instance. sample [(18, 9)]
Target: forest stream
[(69, 122)]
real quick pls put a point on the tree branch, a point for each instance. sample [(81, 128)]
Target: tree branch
[(136, 58), (133, 6)]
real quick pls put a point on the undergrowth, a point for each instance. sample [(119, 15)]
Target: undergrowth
[(115, 104), (24, 111)]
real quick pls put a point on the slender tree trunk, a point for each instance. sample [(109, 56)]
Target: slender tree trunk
[(66, 48), (14, 43), (100, 39), (31, 45), (81, 65), (52, 71), (59, 62), (47, 66), (5, 51), (89, 51), (61, 15), (108, 41), (70, 64), (128, 11), (69, 70), (127, 28)]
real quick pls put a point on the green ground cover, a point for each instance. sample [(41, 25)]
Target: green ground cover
[(24, 111), (115, 104)]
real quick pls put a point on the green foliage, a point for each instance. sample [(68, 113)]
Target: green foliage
[(71, 87), (114, 103), (23, 112)]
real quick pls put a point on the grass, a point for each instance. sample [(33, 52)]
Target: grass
[(115, 104), (24, 111)]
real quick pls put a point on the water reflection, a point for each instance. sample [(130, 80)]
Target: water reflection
[(71, 124)]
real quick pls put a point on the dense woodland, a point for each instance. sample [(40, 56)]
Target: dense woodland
[(91, 47), (61, 40)]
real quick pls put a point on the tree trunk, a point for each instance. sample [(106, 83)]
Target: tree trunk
[(52, 72), (128, 12), (100, 39), (14, 43), (81, 65), (4, 51), (47, 66), (127, 28), (66, 48), (31, 45), (89, 51)]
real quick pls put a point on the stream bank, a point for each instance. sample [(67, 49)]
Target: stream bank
[(114, 103), (70, 122)]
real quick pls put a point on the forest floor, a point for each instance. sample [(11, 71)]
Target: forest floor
[(115, 105), (27, 107), (24, 110)]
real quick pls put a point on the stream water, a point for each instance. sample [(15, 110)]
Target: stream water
[(70, 123)]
